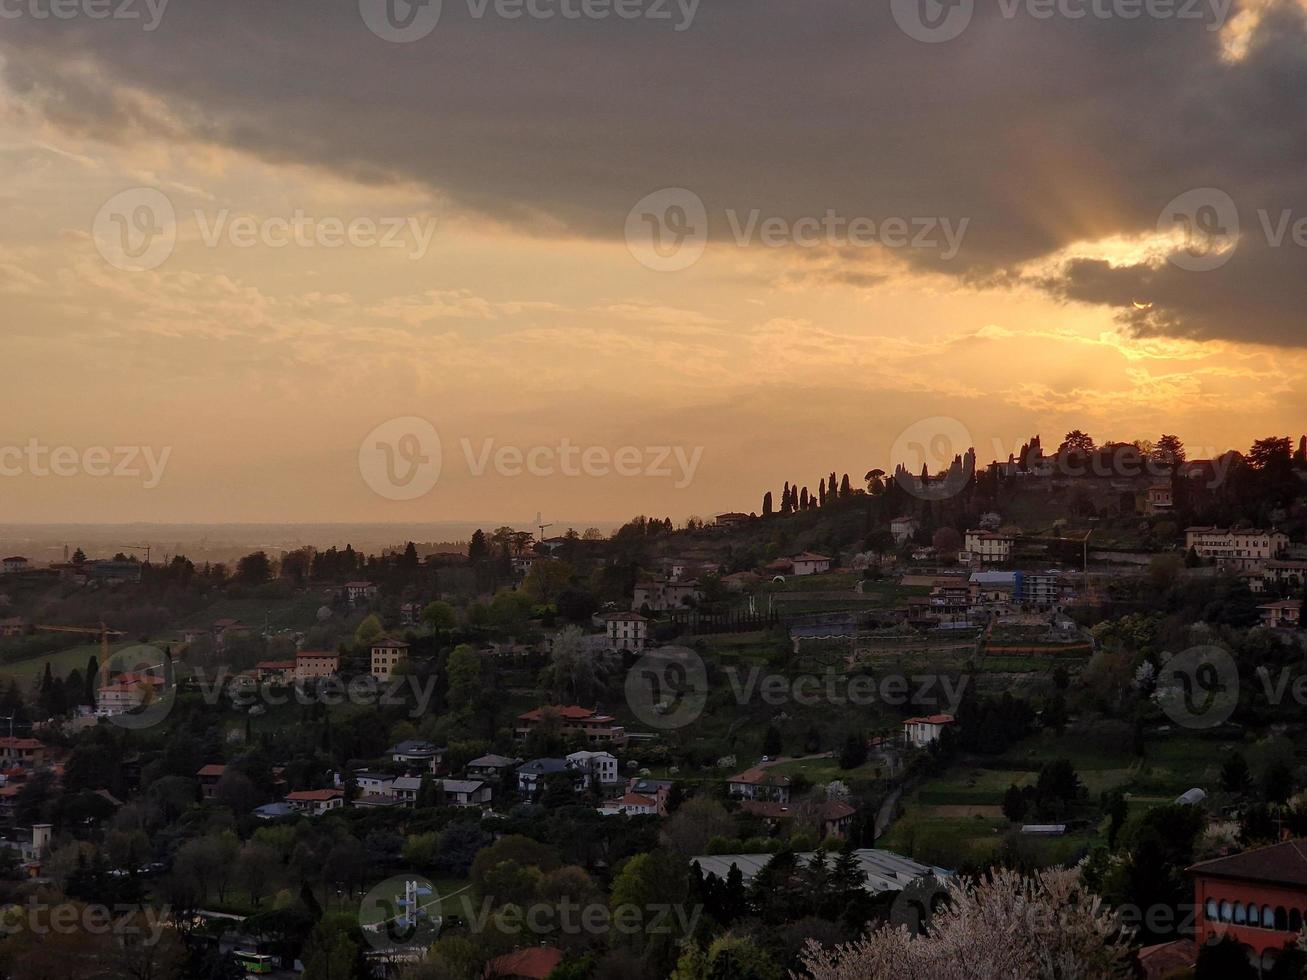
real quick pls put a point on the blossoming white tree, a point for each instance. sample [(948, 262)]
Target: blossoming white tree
[(1047, 927)]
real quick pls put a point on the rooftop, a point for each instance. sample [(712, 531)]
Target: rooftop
[(1281, 864)]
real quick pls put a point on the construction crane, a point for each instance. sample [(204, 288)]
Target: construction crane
[(103, 632), (542, 526)]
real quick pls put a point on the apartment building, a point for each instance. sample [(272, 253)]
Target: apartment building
[(386, 656), (1242, 549), (626, 631), (989, 547)]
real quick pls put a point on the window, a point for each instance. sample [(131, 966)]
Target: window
[(1254, 917), (1240, 914), (1209, 912), (1227, 912)]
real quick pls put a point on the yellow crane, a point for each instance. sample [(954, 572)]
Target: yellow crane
[(103, 632)]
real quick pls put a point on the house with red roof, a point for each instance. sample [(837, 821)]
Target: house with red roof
[(920, 732), (209, 777), (27, 752), (315, 802), (760, 784), (810, 563), (571, 719), (1257, 897)]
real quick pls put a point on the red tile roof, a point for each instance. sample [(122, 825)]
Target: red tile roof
[(759, 776), (535, 963), (17, 742), (1284, 864)]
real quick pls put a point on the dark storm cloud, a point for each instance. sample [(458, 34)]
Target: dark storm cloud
[(1042, 132)]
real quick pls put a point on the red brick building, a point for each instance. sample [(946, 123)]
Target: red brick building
[(1258, 897)]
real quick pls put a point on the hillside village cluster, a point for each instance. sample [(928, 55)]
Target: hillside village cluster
[(273, 752)]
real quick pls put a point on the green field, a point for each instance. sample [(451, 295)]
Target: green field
[(952, 817), (61, 663)]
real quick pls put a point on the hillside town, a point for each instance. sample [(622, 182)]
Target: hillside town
[(835, 719)]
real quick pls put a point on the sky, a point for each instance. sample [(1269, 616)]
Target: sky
[(474, 260)]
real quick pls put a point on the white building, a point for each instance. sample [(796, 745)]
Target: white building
[(920, 732), (632, 804), (600, 768), (466, 792), (809, 563), (626, 631), (989, 547), (903, 528), (1243, 548), (1281, 615), (660, 595), (13, 564), (386, 656), (356, 592), (315, 802)]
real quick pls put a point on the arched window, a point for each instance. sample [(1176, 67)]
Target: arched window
[(1227, 912), (1295, 920), (1254, 915), (1210, 912), (1240, 914), (1268, 917), (1281, 919)]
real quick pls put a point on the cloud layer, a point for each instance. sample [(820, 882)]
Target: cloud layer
[(1044, 133)]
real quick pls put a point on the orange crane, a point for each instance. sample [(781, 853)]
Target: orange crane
[(103, 632)]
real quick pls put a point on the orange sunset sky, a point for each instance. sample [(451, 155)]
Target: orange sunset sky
[(521, 148)]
